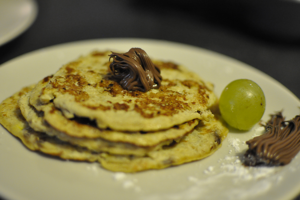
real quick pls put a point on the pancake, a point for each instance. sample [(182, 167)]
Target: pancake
[(53, 123), (12, 119), (81, 113), (81, 89), (205, 139)]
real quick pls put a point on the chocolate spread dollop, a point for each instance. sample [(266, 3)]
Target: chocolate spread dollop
[(134, 70), (278, 146)]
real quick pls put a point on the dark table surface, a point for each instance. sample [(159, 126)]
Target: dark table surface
[(262, 34)]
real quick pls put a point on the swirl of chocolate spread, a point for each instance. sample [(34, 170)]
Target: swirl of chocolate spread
[(278, 146), (134, 70)]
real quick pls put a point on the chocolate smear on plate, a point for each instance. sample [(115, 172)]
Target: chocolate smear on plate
[(278, 145)]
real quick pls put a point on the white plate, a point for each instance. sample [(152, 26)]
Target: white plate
[(29, 175), (16, 16)]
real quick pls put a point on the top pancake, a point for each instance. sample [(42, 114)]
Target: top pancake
[(80, 88)]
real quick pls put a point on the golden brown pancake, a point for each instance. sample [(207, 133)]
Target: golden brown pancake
[(80, 114), (80, 133), (12, 119), (81, 89), (203, 141)]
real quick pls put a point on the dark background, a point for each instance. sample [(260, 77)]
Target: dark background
[(263, 34)]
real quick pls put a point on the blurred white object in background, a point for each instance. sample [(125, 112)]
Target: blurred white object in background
[(16, 16)]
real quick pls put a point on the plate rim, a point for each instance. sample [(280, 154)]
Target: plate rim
[(32, 53)]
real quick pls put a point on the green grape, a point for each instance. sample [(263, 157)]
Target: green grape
[(242, 104)]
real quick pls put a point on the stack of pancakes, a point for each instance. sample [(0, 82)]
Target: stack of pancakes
[(80, 114)]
